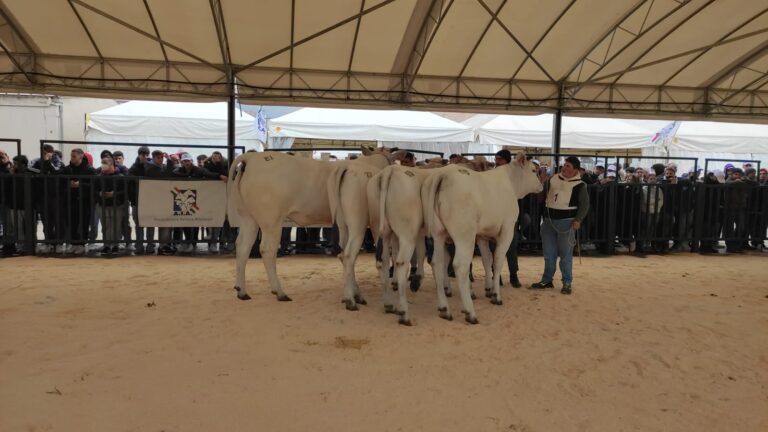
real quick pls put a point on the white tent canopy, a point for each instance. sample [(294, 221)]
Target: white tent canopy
[(689, 59), (179, 123), (715, 140), (576, 132), (407, 129)]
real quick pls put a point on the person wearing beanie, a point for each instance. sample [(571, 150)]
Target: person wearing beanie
[(566, 206)]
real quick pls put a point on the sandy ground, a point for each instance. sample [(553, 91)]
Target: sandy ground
[(676, 343)]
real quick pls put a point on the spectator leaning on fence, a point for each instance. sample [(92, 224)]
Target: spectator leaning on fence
[(160, 167), (216, 164), (189, 170), (567, 204), (78, 184), (137, 171), (15, 206), (735, 206), (111, 191), (49, 199)]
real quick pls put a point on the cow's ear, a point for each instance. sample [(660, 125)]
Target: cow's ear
[(366, 150)]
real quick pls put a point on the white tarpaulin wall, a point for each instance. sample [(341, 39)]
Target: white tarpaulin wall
[(715, 140), (576, 132), (406, 129), (169, 123)]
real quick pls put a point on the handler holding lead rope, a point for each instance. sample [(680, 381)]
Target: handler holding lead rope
[(566, 206)]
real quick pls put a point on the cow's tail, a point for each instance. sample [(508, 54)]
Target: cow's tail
[(234, 199), (334, 194), (429, 192), (386, 177)]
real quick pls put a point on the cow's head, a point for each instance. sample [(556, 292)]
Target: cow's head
[(525, 176)]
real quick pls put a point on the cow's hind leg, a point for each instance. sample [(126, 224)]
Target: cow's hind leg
[(270, 242), (487, 256), (382, 262), (421, 254), (461, 261), (499, 256), (248, 233), (439, 270), (352, 295), (402, 262)]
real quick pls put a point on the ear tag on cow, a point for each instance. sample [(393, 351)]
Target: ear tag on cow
[(368, 174), (409, 173), (268, 158), (463, 171)]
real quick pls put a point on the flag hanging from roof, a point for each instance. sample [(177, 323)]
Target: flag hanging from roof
[(666, 132)]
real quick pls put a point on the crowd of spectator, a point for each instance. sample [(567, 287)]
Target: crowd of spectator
[(82, 202), (78, 201)]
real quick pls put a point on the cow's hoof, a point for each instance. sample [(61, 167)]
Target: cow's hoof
[(284, 298), (389, 309), (496, 301), (444, 314), (415, 283), (405, 322), (473, 296), (350, 305), (360, 300), (243, 296), (471, 320)]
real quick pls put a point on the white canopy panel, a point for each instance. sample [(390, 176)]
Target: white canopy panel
[(179, 123), (367, 125), (690, 58), (576, 132)]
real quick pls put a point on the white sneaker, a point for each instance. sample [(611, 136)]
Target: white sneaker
[(59, 249), (43, 249), (78, 250), (214, 248)]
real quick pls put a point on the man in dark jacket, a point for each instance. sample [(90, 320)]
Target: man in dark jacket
[(15, 205), (737, 194), (111, 193), (160, 167), (138, 170), (187, 169), (50, 198), (218, 165), (79, 176)]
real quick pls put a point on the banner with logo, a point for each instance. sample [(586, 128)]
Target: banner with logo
[(171, 203)]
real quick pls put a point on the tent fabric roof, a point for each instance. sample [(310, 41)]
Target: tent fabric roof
[(576, 132), (171, 119), (687, 58), (369, 125)]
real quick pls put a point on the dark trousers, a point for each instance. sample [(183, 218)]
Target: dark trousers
[(53, 220), (734, 229), (80, 221)]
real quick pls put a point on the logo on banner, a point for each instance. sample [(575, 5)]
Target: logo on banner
[(184, 202)]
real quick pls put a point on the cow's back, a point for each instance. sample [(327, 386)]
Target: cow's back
[(276, 184)]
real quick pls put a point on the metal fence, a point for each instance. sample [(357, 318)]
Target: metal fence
[(54, 210), (14, 141)]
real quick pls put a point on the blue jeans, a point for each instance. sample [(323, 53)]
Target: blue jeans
[(557, 239)]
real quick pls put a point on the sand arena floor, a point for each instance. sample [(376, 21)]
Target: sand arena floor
[(675, 343)]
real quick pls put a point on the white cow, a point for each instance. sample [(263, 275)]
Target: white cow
[(265, 189), (401, 225), (456, 206)]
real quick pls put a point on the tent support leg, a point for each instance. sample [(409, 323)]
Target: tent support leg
[(231, 122)]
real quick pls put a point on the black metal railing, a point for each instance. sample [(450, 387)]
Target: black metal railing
[(54, 210)]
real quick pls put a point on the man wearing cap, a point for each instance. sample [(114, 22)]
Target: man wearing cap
[(567, 204)]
